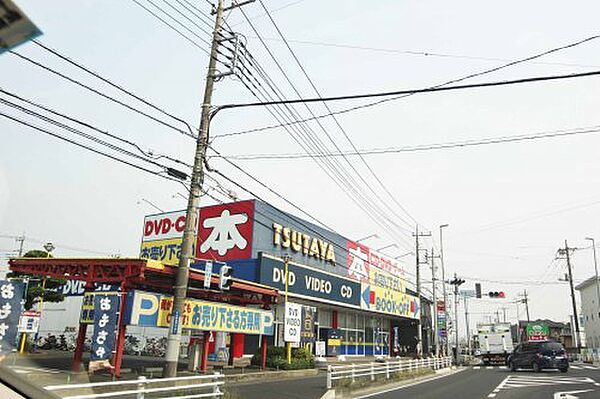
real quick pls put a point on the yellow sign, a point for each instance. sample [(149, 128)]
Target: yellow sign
[(165, 251), (87, 306), (300, 242), (154, 310), (386, 293)]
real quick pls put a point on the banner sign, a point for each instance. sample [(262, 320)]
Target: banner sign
[(106, 307), (162, 236), (537, 332), (386, 293), (309, 283), (15, 27), (77, 288), (292, 322), (147, 309), (29, 322), (86, 316), (11, 304), (307, 331), (362, 261)]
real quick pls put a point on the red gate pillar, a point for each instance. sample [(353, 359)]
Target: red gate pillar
[(205, 349), (263, 352), (121, 327), (80, 343)]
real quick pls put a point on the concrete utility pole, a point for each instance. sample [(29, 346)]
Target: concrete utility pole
[(575, 317), (596, 270), (20, 240), (444, 287), (416, 234), (197, 180), (456, 282), (467, 324), (436, 338), (526, 302)]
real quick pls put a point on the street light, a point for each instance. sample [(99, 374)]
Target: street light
[(387, 246), (367, 237), (596, 270), (444, 286)]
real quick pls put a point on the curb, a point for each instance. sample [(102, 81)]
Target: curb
[(269, 375)]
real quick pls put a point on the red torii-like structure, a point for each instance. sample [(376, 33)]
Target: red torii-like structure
[(147, 274)]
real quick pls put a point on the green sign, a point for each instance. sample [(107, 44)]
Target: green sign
[(537, 332)]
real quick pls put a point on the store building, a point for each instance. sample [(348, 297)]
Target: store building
[(359, 294)]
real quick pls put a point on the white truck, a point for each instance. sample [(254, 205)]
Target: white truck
[(495, 342)]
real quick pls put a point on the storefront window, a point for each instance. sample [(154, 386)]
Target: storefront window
[(324, 317)]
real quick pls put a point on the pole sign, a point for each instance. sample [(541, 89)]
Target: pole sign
[(106, 307), (292, 322), (537, 332), (15, 27), (29, 322), (162, 237), (307, 331), (11, 296)]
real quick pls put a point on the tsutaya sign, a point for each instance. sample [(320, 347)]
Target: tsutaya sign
[(302, 242)]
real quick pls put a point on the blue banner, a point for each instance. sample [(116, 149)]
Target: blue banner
[(11, 304), (106, 308), (309, 283)]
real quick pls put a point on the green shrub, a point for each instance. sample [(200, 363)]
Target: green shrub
[(277, 359)]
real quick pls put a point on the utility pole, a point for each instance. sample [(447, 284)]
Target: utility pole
[(456, 282), (447, 340), (526, 302), (20, 240), (436, 338), (504, 312), (416, 234), (197, 180), (467, 324), (575, 317), (595, 269)]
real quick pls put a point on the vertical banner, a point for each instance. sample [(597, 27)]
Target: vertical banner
[(307, 330), (11, 297), (105, 321)]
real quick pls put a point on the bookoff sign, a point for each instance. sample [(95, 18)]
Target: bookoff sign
[(292, 322)]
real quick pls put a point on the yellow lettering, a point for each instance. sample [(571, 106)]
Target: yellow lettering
[(330, 257), (286, 238), (314, 248), (276, 233), (323, 248), (305, 243), (296, 241)]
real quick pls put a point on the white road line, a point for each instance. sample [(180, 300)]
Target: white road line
[(492, 395), (502, 367), (576, 367), (408, 385), (476, 367), (489, 367)]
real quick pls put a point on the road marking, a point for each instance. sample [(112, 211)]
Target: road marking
[(525, 381), (408, 385), (489, 367), (576, 367), (502, 367), (476, 367)]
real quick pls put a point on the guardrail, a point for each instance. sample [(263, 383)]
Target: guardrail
[(387, 368), (201, 386)]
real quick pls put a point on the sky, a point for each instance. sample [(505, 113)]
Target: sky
[(509, 206)]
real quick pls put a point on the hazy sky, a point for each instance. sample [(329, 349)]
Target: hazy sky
[(509, 206)]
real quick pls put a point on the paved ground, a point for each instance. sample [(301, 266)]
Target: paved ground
[(300, 388), (582, 381)]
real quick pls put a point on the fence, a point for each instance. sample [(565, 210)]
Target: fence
[(202, 386), (387, 368)]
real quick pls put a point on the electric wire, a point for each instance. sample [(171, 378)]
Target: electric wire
[(99, 93), (197, 12), (112, 84), (425, 147), (456, 80), (187, 18), (364, 161)]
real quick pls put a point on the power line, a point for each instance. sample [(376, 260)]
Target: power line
[(369, 168), (425, 147), (293, 3), (99, 93), (112, 84), (417, 91), (449, 82)]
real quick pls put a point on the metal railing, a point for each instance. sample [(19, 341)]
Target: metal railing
[(197, 386), (387, 368)]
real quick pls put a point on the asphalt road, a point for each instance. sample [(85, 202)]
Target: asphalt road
[(581, 381)]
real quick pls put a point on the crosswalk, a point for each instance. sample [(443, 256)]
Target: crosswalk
[(526, 381), (572, 366), (32, 370)]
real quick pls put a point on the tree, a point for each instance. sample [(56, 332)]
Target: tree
[(34, 289)]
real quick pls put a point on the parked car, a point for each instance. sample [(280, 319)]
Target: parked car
[(538, 356)]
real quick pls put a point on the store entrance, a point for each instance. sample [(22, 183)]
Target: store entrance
[(381, 342)]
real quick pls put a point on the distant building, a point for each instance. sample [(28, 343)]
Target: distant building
[(559, 331), (590, 313)]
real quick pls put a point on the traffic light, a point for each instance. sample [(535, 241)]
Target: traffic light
[(225, 277), (478, 290), (496, 294)]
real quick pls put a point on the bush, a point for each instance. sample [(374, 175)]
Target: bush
[(277, 359)]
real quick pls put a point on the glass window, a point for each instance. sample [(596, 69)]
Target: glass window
[(324, 317), (351, 320), (360, 321), (342, 319)]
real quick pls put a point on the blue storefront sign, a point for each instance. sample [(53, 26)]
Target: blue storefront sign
[(11, 296), (309, 283), (105, 322)]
